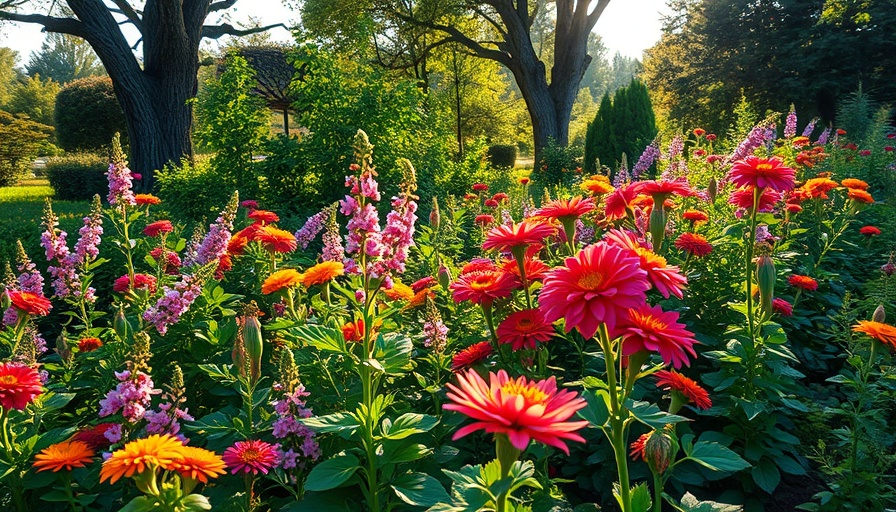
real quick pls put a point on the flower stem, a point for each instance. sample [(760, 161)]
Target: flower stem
[(618, 417), (657, 492)]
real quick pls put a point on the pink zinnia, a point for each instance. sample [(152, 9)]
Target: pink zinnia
[(619, 202), (596, 286), (251, 457), (19, 385), (771, 173), (483, 287), (663, 188), (743, 198), (563, 209), (524, 329), (471, 355), (527, 232), (782, 307), (521, 409), (694, 244), (158, 227), (665, 278), (652, 329)]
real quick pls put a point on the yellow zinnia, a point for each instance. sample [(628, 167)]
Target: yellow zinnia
[(155, 451)]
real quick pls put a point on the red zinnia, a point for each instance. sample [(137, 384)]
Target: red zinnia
[(29, 303), (521, 409), (95, 436), (89, 344), (596, 286), (170, 263), (666, 279), (471, 355), (869, 230), (263, 217), (638, 446), (699, 131), (535, 268), (500, 196), (686, 387), (491, 203), (652, 329), (663, 188), (158, 227), (743, 198), (563, 209), (147, 199), (484, 220), (483, 287), (695, 216), (19, 384), (251, 457), (524, 329), (524, 181), (619, 202), (477, 265), (762, 173), (782, 307), (141, 282), (527, 232), (694, 244), (277, 240), (803, 282), (480, 187)]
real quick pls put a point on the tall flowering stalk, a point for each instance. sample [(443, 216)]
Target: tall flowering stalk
[(214, 244), (121, 197)]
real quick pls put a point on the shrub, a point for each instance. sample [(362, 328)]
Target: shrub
[(88, 114), (77, 177), (502, 155), (22, 140), (192, 190), (624, 126)]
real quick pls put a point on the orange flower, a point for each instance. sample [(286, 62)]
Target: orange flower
[(471, 355), (200, 464), (29, 303), (860, 196), (323, 272), (263, 217), (239, 240), (419, 298), (353, 331), (695, 216), (285, 278), (819, 187), (877, 330), (65, 455), (803, 282), (276, 240), (854, 183), (89, 344), (686, 387), (156, 451), (147, 199), (399, 291)]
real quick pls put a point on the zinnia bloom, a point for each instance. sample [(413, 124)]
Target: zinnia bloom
[(29, 303), (695, 216), (652, 329), (480, 187), (782, 307), (276, 239), (89, 344), (200, 464), (263, 217), (596, 286), (869, 230), (323, 272), (250, 204), (535, 268), (619, 202), (66, 455), (353, 331), (743, 198), (663, 188), (158, 227), (19, 384), (524, 329), (141, 282), (803, 282), (757, 172), (471, 355), (478, 265), (860, 196), (484, 220), (694, 244), (528, 232), (524, 181), (854, 183), (521, 409), (399, 291), (483, 287), (637, 447), (423, 283), (597, 185), (687, 387), (284, 278), (819, 187), (666, 279), (490, 203), (877, 330), (95, 436), (252, 456), (239, 240), (156, 451), (147, 199), (565, 209)]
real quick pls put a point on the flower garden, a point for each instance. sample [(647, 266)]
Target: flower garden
[(708, 336)]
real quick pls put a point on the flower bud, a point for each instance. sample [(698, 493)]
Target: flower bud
[(434, 215), (765, 276), (880, 314), (657, 225), (658, 451), (121, 325), (254, 343), (712, 190), (444, 277), (5, 301)]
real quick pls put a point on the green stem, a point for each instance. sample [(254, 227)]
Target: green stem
[(127, 245), (618, 417), (66, 478), (507, 455), (657, 492), (751, 238), (4, 428)]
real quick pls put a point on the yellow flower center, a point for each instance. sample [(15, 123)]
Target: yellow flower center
[(482, 282), (764, 167), (591, 281), (8, 379), (648, 322), (530, 393), (650, 257), (250, 455)]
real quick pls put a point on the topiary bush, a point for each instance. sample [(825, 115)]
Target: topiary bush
[(88, 115), (77, 177), (502, 155)]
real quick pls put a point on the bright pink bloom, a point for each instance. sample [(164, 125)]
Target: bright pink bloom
[(158, 227), (743, 198), (251, 456), (563, 209), (524, 329), (483, 287), (652, 329), (471, 355), (141, 282), (666, 279), (694, 244), (783, 307), (771, 173), (19, 384), (528, 232)]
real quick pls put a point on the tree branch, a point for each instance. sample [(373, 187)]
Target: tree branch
[(457, 36), (226, 29), (130, 13), (220, 6), (595, 14), (69, 26)]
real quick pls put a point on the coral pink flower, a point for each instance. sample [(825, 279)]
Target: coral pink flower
[(141, 282), (30, 303), (596, 286), (521, 409), (688, 388), (666, 279), (471, 355), (743, 198), (803, 282), (694, 244), (663, 188), (19, 384), (277, 240), (757, 172), (263, 217), (251, 456), (535, 268), (478, 265), (524, 329), (564, 209), (619, 202), (652, 329), (782, 307), (527, 232), (158, 227), (483, 287)]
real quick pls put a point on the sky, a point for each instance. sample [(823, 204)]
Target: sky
[(626, 26)]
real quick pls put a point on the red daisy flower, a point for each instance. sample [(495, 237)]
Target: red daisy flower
[(170, 263), (158, 227), (89, 344), (480, 187), (527, 232), (500, 197), (762, 173), (694, 244), (277, 240), (422, 284), (565, 209), (95, 436), (478, 265), (483, 287), (663, 188), (29, 303), (803, 282), (535, 268), (19, 385), (471, 355), (743, 198), (252, 456), (619, 202), (524, 329), (666, 279), (490, 203), (695, 216), (652, 329), (686, 387), (782, 307), (484, 220), (263, 217), (699, 131), (869, 230)]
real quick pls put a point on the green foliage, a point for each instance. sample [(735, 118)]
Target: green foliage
[(9, 75), (192, 190), (64, 58), (559, 165), (856, 113), (22, 141), (88, 115), (624, 126), (35, 98), (78, 177), (502, 155)]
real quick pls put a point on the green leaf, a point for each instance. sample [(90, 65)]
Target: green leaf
[(409, 424), (716, 457), (420, 490), (596, 412), (322, 338), (651, 415), (766, 475), (140, 504), (332, 473), (394, 352), (641, 501), (395, 452), (330, 501), (336, 422)]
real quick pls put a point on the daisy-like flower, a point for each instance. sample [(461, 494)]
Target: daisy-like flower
[(854, 183), (619, 202), (566, 209), (399, 291), (200, 464), (666, 279), (637, 447), (663, 188), (423, 284), (66, 455), (743, 198), (323, 272), (695, 216), (263, 217), (880, 331), (860, 196), (89, 344), (521, 409), (818, 188), (694, 244), (158, 227), (281, 279), (524, 329), (147, 199), (251, 456), (478, 265), (687, 388), (782, 307), (483, 286), (759, 172), (535, 268), (141, 282), (471, 355), (484, 220), (30, 303), (276, 239), (597, 185), (353, 331), (239, 240), (150, 453), (528, 232), (869, 231), (654, 330), (19, 385), (596, 286), (803, 282), (480, 187)]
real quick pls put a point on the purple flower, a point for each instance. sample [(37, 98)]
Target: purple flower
[(120, 185), (131, 396), (650, 154), (823, 138), (290, 409), (312, 227), (435, 335), (790, 124), (166, 420), (746, 148), (173, 303), (807, 131), (214, 245)]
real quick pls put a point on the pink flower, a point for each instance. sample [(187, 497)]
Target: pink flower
[(251, 457), (652, 329), (762, 173), (524, 329), (665, 278), (528, 232)]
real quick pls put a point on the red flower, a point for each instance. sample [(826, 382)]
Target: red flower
[(688, 388), (803, 282), (666, 279), (483, 287), (524, 329), (869, 230), (158, 227), (170, 263), (699, 152), (524, 181), (652, 329), (276, 240), (500, 196), (251, 457), (663, 188), (527, 232), (471, 355), (484, 220), (762, 173), (535, 269), (29, 303), (695, 216), (19, 384), (89, 344), (470, 197), (619, 202), (865, 152), (478, 265), (699, 132), (422, 284), (711, 137), (491, 203), (141, 282), (263, 217), (147, 199), (563, 209), (480, 187), (251, 204), (782, 307), (694, 244), (743, 198), (638, 447), (353, 331), (521, 409), (596, 286), (95, 436)]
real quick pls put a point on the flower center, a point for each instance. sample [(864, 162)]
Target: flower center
[(8, 379), (651, 258), (482, 283), (591, 281), (764, 167), (530, 393), (250, 455), (525, 325), (648, 322)]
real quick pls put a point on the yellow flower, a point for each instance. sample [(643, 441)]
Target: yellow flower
[(155, 451)]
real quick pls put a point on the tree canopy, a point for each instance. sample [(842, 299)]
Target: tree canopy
[(64, 58)]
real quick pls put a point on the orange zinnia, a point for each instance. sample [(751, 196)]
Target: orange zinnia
[(860, 196), (399, 291), (597, 185), (263, 217), (323, 272), (276, 239), (854, 183), (65, 455), (30, 303), (686, 387), (285, 278), (819, 187), (147, 199), (200, 464), (877, 330), (155, 451)]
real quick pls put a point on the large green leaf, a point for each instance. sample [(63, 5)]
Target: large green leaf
[(419, 490), (322, 338), (651, 415), (336, 422), (332, 473), (408, 424), (392, 352), (596, 412), (716, 457), (766, 475)]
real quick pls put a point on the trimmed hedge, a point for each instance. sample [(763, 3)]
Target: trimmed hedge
[(502, 155), (78, 177), (88, 115)]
